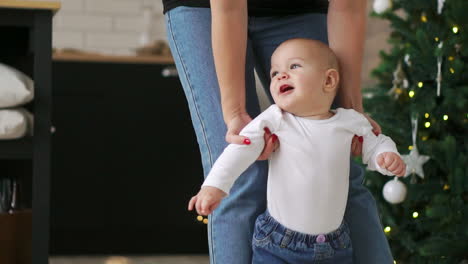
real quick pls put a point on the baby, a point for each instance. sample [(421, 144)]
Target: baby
[(309, 174)]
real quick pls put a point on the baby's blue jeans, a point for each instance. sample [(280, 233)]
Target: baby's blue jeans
[(275, 244), (231, 225)]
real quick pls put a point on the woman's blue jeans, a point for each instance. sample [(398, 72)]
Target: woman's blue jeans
[(231, 225)]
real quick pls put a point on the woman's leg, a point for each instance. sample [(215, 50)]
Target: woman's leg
[(231, 224), (369, 242)]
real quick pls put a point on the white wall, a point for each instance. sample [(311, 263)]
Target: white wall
[(107, 26)]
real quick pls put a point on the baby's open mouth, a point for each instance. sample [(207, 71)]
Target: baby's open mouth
[(285, 87)]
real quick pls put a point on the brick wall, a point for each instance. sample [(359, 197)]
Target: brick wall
[(107, 26)]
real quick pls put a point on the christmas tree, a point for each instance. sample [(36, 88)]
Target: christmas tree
[(421, 101)]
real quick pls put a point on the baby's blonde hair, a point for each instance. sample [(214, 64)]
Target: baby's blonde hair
[(327, 55)]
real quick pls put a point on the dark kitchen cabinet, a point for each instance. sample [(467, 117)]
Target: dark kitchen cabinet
[(125, 160)]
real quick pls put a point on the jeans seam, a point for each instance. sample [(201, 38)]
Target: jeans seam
[(201, 123)]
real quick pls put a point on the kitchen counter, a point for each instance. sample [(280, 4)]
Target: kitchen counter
[(19, 4)]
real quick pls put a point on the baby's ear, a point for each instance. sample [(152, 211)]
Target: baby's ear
[(332, 78)]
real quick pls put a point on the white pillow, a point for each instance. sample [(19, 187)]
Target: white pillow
[(15, 123), (16, 88)]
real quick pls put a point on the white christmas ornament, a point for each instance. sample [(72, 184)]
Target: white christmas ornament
[(439, 70), (440, 5), (407, 59), (380, 6), (414, 161), (394, 191)]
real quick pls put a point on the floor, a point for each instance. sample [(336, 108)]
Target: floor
[(196, 259)]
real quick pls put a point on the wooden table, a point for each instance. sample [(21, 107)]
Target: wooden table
[(26, 30)]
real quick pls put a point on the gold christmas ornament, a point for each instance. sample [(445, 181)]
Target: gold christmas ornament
[(399, 82)]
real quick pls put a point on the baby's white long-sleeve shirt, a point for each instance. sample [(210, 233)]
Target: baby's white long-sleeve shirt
[(308, 175)]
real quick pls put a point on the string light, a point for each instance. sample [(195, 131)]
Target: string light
[(415, 215), (445, 117), (452, 71), (423, 18), (455, 29), (394, 262), (420, 84), (410, 147), (411, 94), (436, 39), (200, 218), (387, 229), (425, 138), (205, 221), (451, 58), (426, 115), (446, 187), (427, 124)]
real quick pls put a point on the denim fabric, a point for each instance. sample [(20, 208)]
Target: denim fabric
[(231, 225), (273, 243)]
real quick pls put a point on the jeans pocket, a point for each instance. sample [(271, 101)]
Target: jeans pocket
[(264, 227)]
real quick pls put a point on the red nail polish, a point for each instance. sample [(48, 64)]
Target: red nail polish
[(361, 139), (274, 138), (247, 141), (267, 130)]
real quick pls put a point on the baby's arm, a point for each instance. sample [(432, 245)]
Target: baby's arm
[(378, 152), (234, 160)]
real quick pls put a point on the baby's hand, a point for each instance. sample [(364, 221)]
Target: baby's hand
[(392, 162), (207, 199)]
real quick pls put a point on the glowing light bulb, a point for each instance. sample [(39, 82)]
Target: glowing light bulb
[(420, 84), (425, 138), (427, 124), (423, 18), (451, 58), (426, 115), (452, 71), (411, 94), (415, 214), (410, 147), (387, 229), (436, 39), (455, 29), (445, 117), (446, 187)]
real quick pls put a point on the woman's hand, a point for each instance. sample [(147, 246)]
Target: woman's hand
[(234, 127), (356, 144), (237, 123)]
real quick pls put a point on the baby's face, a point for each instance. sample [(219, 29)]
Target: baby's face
[(297, 76)]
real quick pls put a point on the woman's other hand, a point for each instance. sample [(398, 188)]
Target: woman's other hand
[(271, 144), (356, 144), (237, 123), (234, 127)]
